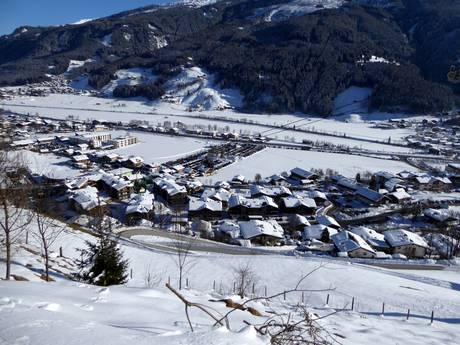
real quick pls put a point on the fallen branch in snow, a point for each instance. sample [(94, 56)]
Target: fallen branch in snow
[(189, 304)]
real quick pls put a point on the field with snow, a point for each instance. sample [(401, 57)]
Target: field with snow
[(66, 312), (274, 161), (84, 107), (160, 148)]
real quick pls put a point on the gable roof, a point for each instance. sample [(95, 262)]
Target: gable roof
[(398, 238)]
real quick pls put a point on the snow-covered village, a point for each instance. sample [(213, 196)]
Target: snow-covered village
[(176, 184)]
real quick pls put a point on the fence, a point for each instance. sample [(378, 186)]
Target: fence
[(333, 300)]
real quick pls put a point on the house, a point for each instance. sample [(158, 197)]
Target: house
[(297, 222), (116, 187), (399, 196), (207, 209), (239, 205), (110, 158), (373, 238), (439, 216), (122, 172), (273, 192), (328, 221), (354, 245), (171, 191), (262, 232), (228, 231), (299, 205), (407, 243), (369, 196), (303, 176), (319, 232), (139, 207), (86, 200), (81, 161), (133, 162)]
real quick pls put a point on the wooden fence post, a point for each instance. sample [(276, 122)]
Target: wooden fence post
[(327, 299), (60, 252), (408, 314), (265, 290), (131, 273), (284, 295), (383, 308), (253, 288), (303, 299), (352, 303), (214, 285), (169, 280), (432, 317)]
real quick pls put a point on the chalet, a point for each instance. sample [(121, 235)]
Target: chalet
[(227, 231), (262, 232), (116, 187), (303, 176), (453, 168), (319, 232), (373, 238), (139, 207), (369, 196), (86, 200), (328, 221), (274, 192), (438, 216), (109, 158), (300, 205), (122, 172), (399, 196), (238, 179), (133, 162), (407, 243), (354, 245), (221, 195), (239, 205), (81, 161), (171, 191), (298, 222), (207, 209)]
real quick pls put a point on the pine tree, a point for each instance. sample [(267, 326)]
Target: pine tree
[(102, 263)]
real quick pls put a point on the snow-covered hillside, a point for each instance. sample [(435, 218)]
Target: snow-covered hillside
[(195, 89), (295, 8), (132, 76), (40, 313)]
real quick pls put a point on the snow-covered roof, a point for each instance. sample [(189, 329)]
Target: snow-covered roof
[(87, 198), (346, 241), (230, 227), (369, 194), (140, 203), (197, 204), (80, 158), (254, 228), (372, 237), (269, 191), (297, 219), (398, 238), (114, 182), (293, 202), (438, 215), (170, 186), (302, 173), (400, 194), (328, 221), (316, 231), (239, 200)]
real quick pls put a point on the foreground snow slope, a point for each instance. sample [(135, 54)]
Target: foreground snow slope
[(66, 312)]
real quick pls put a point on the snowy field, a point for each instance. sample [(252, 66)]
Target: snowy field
[(84, 107), (48, 164), (66, 312), (159, 148), (274, 161)]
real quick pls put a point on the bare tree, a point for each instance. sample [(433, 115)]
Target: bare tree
[(14, 217), (245, 279), (47, 232), (183, 255)]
